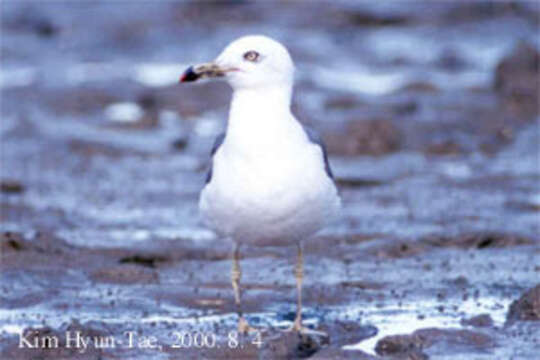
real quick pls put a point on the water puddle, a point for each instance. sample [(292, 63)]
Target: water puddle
[(423, 314)]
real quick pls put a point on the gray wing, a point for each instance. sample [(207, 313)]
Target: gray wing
[(217, 143), (315, 138)]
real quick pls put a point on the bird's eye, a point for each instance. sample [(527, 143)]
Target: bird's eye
[(252, 56)]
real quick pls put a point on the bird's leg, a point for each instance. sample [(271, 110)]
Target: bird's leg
[(299, 275), (236, 274)]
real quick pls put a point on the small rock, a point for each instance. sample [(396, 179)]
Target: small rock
[(289, 345), (363, 18), (483, 320), (180, 143), (461, 282), (373, 137), (34, 22), (516, 81), (147, 101), (90, 148), (405, 108), (526, 308), (449, 60), (343, 102), (444, 148), (399, 345), (523, 59), (338, 354), (477, 240), (412, 346), (45, 28), (143, 260), (362, 285), (11, 241), (461, 11), (79, 101), (11, 187), (420, 87)]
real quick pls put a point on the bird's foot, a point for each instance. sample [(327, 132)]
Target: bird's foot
[(302, 330), (245, 328)]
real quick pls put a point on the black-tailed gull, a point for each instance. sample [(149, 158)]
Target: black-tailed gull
[(270, 182)]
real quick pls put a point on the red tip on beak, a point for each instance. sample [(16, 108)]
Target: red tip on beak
[(189, 75)]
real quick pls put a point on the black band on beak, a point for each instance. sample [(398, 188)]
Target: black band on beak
[(189, 75), (206, 70)]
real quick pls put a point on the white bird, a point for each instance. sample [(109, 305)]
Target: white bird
[(270, 182)]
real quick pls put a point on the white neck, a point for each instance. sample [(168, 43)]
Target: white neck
[(259, 115), (254, 102)]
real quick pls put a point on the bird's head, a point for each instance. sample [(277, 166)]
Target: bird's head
[(249, 62)]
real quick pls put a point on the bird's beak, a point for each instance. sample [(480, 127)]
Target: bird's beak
[(206, 70)]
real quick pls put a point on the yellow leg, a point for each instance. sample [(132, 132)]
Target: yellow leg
[(236, 275), (299, 275)]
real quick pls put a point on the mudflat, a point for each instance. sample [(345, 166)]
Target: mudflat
[(431, 122)]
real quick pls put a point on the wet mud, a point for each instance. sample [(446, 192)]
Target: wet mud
[(432, 125)]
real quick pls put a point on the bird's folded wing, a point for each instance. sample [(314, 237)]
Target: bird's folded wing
[(315, 138), (217, 143)]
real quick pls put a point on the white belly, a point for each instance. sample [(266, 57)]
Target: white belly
[(276, 197)]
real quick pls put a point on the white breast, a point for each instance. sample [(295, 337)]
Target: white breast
[(269, 189)]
